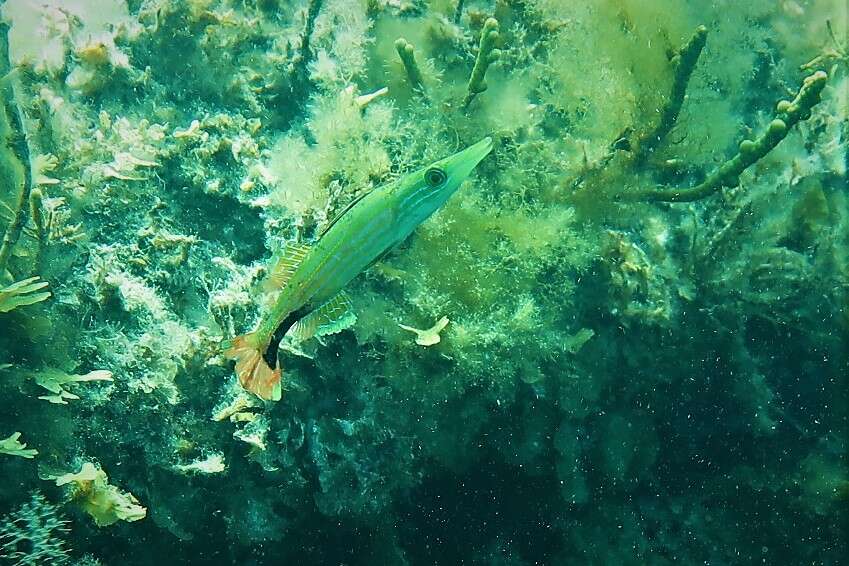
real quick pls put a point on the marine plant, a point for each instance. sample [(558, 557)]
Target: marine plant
[(622, 335), (22, 293)]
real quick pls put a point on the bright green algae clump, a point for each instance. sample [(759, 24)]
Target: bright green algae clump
[(565, 364)]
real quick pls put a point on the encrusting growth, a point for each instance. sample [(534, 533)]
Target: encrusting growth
[(487, 55), (407, 53), (750, 151)]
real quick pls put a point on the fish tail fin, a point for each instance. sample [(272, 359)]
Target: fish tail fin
[(254, 373)]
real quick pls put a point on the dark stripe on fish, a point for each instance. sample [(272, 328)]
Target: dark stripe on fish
[(270, 354)]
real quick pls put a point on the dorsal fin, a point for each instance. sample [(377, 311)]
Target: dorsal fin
[(283, 265), (342, 213), (333, 316)]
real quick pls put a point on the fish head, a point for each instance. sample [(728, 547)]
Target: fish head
[(421, 193)]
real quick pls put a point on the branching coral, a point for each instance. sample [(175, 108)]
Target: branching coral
[(683, 63), (487, 55), (407, 53), (838, 52), (750, 151)]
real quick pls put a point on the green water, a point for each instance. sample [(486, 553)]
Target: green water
[(622, 341)]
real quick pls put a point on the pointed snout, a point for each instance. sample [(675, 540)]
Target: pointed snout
[(461, 164)]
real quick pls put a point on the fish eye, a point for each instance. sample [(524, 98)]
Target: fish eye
[(435, 177)]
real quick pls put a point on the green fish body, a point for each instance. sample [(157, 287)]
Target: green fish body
[(310, 280)]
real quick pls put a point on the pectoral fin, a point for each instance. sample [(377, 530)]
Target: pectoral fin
[(333, 316)]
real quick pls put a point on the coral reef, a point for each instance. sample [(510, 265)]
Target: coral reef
[(622, 341)]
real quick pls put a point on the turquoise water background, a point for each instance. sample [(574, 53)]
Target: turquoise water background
[(623, 341)]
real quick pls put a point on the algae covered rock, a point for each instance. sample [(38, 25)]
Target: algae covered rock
[(621, 341)]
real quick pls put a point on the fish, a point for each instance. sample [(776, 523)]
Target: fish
[(310, 280)]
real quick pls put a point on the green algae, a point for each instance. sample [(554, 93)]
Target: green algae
[(621, 381)]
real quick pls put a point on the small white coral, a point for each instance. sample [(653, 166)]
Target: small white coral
[(12, 446), (364, 100), (131, 145), (212, 464), (193, 132), (236, 405), (254, 433), (430, 336), (55, 380)]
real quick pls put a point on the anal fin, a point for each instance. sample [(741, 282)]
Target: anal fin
[(333, 316)]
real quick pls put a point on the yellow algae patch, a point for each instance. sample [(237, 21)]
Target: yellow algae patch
[(105, 503)]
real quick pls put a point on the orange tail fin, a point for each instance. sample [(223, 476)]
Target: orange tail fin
[(254, 373)]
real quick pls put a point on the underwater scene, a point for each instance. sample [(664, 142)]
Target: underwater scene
[(424, 282)]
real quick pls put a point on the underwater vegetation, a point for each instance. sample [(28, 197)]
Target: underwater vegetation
[(622, 340)]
